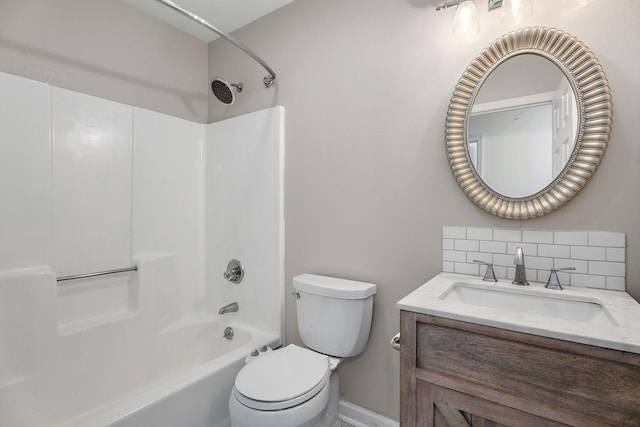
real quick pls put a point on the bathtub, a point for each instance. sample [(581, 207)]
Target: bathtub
[(196, 393)]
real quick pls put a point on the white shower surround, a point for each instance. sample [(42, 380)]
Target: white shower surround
[(88, 184)]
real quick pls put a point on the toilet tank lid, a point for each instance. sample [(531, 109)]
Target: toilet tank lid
[(333, 287)]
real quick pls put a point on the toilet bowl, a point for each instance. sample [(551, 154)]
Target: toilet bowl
[(290, 387), (298, 387)]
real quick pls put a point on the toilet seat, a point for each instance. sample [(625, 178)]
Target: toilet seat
[(282, 379)]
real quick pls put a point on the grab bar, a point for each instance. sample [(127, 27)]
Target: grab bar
[(99, 273)]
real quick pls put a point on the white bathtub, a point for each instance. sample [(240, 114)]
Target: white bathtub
[(195, 396)]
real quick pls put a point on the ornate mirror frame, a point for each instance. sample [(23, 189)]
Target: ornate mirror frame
[(593, 97)]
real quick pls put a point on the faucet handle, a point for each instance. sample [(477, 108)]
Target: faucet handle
[(489, 274), (235, 271), (553, 282)]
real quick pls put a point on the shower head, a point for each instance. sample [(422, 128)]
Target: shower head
[(224, 90)]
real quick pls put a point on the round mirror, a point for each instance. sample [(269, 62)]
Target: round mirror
[(528, 123)]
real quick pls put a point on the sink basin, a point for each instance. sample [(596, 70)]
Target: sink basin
[(523, 301)]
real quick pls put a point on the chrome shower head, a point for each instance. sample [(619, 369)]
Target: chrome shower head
[(224, 90)]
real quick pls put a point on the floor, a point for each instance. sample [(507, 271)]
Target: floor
[(345, 424)]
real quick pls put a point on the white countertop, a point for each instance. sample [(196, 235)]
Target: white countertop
[(624, 309)]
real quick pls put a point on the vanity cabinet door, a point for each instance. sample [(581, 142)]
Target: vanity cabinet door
[(443, 407), (462, 374)]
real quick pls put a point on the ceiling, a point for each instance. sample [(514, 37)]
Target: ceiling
[(226, 15)]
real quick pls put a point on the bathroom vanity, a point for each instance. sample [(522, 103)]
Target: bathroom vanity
[(476, 353)]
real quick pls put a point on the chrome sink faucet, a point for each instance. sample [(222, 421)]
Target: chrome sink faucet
[(521, 275)]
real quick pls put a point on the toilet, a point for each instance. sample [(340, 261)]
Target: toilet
[(298, 387)]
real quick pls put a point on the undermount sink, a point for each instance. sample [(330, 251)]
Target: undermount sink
[(523, 301), (598, 317)]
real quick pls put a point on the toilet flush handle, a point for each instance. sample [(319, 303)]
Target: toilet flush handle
[(395, 342)]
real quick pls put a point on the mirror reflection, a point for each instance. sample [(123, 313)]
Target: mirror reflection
[(523, 126)]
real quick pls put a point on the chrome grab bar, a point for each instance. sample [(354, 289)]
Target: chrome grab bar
[(99, 273)]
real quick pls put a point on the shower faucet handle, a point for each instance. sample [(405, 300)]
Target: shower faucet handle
[(235, 271)]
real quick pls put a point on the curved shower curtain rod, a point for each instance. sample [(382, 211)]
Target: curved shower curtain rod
[(268, 80)]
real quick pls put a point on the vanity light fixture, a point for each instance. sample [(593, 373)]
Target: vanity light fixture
[(466, 24), (514, 10)]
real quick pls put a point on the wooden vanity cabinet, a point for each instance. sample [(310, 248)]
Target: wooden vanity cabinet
[(455, 373)]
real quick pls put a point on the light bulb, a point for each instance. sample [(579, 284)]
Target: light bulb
[(466, 24), (514, 10)]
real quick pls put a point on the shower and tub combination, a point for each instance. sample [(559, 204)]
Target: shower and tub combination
[(117, 303), (114, 306)]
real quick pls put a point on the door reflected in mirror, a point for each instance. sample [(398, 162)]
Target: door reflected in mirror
[(523, 126)]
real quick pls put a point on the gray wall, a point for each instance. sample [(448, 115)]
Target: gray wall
[(108, 49), (366, 84)]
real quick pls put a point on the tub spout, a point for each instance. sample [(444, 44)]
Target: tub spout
[(229, 308)]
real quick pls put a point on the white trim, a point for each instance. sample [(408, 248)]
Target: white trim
[(361, 417), (511, 103)]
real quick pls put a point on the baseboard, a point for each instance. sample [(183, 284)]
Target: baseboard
[(361, 417)]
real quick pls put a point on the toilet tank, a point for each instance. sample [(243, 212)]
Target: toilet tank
[(334, 315)]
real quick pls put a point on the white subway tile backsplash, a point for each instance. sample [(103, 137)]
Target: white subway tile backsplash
[(447, 244), (467, 245), (580, 238), (537, 236), (597, 256), (580, 266), (448, 267), (554, 251), (493, 247), (589, 253), (607, 268), (506, 235), (464, 268), (606, 238), (539, 263), (504, 260), (458, 256), (564, 278), (541, 276), (616, 283), (484, 257), (616, 254), (588, 281), (531, 274), (500, 272), (477, 233), (454, 232), (529, 249)]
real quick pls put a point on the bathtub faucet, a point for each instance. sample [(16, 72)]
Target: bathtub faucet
[(229, 308)]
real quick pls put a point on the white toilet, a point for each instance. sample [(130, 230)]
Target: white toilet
[(297, 387)]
